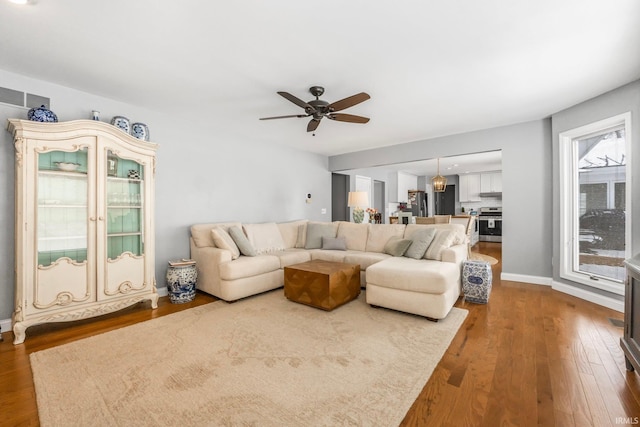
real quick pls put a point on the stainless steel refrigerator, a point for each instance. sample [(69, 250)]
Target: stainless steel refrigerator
[(417, 203)]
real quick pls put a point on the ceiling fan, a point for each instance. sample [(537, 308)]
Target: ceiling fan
[(317, 108)]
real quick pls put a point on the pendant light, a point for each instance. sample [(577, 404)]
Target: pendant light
[(439, 182)]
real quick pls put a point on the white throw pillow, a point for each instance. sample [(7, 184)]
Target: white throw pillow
[(222, 240), (442, 240), (302, 236), (265, 237)]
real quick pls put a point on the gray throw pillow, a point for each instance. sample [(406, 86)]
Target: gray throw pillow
[(420, 241), (336, 244), (315, 233), (396, 246), (244, 245)]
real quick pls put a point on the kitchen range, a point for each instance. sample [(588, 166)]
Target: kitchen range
[(490, 224)]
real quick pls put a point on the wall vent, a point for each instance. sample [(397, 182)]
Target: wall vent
[(22, 99)]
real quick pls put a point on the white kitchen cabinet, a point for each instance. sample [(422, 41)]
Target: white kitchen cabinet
[(469, 188), (491, 182), (84, 232)]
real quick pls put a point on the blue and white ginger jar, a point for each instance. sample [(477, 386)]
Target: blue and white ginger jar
[(42, 114)]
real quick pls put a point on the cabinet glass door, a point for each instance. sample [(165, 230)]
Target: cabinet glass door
[(62, 206), (125, 204)]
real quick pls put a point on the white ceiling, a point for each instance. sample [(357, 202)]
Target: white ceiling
[(431, 68)]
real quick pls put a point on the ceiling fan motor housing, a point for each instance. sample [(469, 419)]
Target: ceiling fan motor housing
[(319, 108)]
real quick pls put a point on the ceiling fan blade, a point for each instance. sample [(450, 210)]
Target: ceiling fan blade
[(313, 125), (299, 102), (348, 102), (284, 117), (341, 117)]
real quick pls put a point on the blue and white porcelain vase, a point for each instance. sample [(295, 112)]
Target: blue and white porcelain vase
[(181, 283), (42, 114)]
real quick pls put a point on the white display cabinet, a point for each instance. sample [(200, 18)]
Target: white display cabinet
[(84, 228)]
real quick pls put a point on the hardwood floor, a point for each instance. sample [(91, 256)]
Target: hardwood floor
[(532, 356)]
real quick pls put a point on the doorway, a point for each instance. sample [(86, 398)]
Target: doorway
[(339, 197), (378, 197), (445, 203)]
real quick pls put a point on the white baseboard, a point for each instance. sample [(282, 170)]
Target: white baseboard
[(536, 280), (605, 301), (5, 324)]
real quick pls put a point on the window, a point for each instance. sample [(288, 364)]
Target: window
[(594, 201)]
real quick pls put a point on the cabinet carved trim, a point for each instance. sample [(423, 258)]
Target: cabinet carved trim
[(63, 298), (18, 144), (124, 288)]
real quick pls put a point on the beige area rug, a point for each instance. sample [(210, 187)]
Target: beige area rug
[(262, 361), (481, 257)]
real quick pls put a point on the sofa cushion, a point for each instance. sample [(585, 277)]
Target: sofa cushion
[(292, 256), (201, 233), (379, 234), (334, 243), (244, 245), (289, 232), (354, 234), (337, 256), (316, 231), (396, 246), (222, 240), (420, 241), (264, 237), (443, 239), (426, 276), (248, 267), (365, 259)]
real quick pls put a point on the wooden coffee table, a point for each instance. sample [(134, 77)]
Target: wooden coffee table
[(322, 284)]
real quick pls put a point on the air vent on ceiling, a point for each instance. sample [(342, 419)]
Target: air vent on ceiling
[(22, 99)]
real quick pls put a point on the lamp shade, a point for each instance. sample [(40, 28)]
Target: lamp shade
[(439, 183), (358, 199)]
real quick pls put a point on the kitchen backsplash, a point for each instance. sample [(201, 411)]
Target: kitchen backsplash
[(487, 202)]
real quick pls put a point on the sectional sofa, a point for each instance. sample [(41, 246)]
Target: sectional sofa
[(237, 260)]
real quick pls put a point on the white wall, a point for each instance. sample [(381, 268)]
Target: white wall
[(406, 182), (526, 172), (201, 176)]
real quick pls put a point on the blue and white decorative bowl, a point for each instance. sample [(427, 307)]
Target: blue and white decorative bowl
[(140, 131), (121, 123), (42, 114)]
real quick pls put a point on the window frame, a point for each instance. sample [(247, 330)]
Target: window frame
[(569, 203)]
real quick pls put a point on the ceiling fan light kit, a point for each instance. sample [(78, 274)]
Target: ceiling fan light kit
[(317, 108)]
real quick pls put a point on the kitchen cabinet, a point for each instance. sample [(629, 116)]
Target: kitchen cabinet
[(83, 221), (469, 188), (491, 182)]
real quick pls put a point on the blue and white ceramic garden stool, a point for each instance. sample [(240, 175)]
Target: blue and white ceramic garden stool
[(181, 281), (476, 281)]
